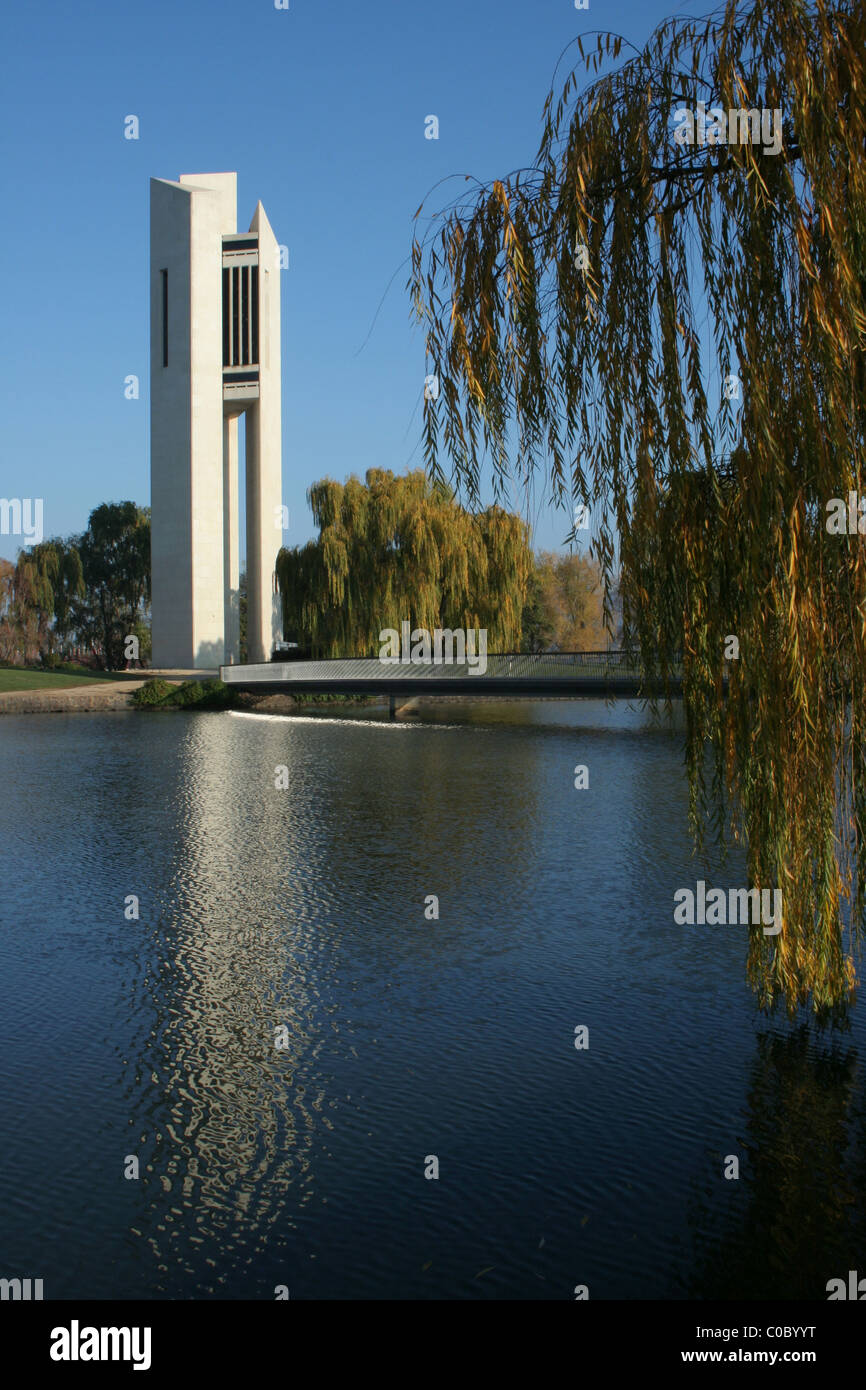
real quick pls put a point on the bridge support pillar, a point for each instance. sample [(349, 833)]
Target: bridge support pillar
[(392, 706)]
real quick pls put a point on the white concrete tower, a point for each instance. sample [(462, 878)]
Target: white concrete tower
[(215, 354)]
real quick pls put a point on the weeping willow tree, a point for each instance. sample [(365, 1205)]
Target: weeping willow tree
[(586, 316), (396, 548), (48, 579)]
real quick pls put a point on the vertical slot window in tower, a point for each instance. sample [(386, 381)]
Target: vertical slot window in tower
[(266, 315), (236, 354), (226, 303), (164, 277), (254, 295), (245, 315)]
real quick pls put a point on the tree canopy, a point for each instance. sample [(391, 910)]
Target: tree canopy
[(564, 605), (93, 589), (40, 591), (586, 316), (400, 547), (115, 563)]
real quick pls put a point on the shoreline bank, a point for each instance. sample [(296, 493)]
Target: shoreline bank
[(115, 697)]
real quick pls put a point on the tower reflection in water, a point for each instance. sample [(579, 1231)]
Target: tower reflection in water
[(223, 1118), (291, 908)]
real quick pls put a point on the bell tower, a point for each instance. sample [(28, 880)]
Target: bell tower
[(215, 355)]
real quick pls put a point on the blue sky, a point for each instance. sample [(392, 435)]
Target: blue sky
[(320, 108)]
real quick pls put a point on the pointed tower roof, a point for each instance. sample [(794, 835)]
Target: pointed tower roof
[(260, 221)]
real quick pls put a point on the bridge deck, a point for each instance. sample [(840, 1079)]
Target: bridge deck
[(517, 674)]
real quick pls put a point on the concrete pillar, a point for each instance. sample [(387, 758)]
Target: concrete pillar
[(188, 221), (264, 457), (196, 398)]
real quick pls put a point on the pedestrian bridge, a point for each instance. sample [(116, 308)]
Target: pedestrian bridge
[(567, 674)]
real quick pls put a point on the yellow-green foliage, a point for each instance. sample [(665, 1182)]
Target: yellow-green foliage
[(400, 547), (702, 261)]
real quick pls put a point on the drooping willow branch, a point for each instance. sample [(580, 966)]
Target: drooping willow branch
[(586, 317)]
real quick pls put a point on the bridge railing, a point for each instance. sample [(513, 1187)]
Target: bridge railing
[(566, 666)]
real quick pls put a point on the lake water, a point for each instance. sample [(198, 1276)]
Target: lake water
[(406, 1038)]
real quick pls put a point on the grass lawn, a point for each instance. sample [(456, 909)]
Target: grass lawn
[(20, 678)]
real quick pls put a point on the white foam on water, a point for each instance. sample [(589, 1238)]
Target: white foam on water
[(351, 723)]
